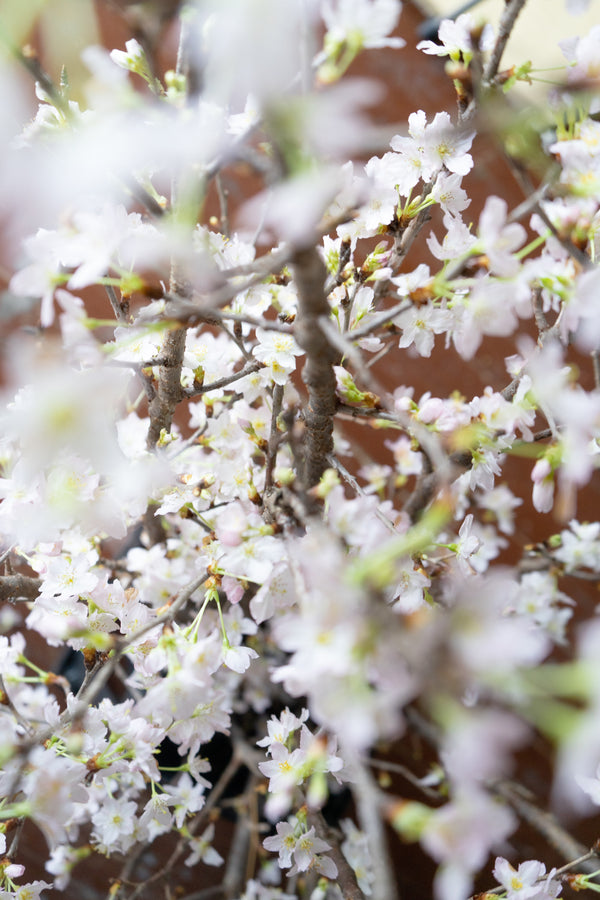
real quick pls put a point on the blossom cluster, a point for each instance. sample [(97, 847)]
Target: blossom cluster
[(218, 602)]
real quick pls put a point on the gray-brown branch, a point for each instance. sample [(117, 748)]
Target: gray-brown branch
[(507, 23), (18, 587), (168, 389), (403, 241), (346, 877), (318, 375)]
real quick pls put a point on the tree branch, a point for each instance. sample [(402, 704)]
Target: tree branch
[(18, 587), (318, 375), (507, 23), (403, 241), (168, 390), (346, 878), (368, 799), (224, 382)]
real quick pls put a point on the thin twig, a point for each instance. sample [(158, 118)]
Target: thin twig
[(6, 554), (215, 795), (505, 27), (14, 844), (348, 349), (216, 890), (345, 411), (530, 203), (540, 318), (104, 672), (131, 862), (533, 203), (117, 307), (255, 321), (7, 701), (382, 318), (181, 309), (409, 776), (369, 801), (591, 854), (31, 62), (169, 392), (403, 241), (237, 340), (223, 195), (273, 436), (234, 880), (544, 822), (224, 382), (596, 367), (139, 193), (351, 480)]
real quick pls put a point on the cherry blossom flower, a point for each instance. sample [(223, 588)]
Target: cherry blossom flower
[(278, 352), (542, 476), (529, 882), (408, 461), (478, 745), (488, 308), (238, 658), (500, 240), (276, 592), (540, 600), (419, 324), (449, 194), (68, 577), (438, 144), (308, 854), (580, 546), (42, 277), (53, 788), (156, 817), (353, 25), (30, 891), (583, 53), (458, 240), (202, 849), (61, 863), (460, 835), (373, 20), (280, 728), (257, 891), (467, 545), (407, 594), (455, 39), (356, 850), (132, 58), (284, 770), (300, 848), (284, 843), (392, 174)]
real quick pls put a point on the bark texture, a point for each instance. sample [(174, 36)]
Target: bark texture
[(168, 389), (318, 375), (18, 587)]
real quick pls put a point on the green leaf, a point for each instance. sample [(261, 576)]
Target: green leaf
[(410, 818), (378, 568)]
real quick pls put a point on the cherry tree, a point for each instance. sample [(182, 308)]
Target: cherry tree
[(246, 652)]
